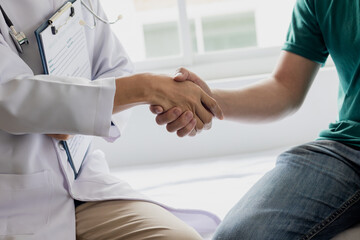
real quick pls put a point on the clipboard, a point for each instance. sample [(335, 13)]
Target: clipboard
[(62, 43), (64, 52)]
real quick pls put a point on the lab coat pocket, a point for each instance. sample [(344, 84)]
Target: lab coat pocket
[(24, 203)]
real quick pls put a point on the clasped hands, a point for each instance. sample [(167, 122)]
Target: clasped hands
[(183, 102), (185, 123)]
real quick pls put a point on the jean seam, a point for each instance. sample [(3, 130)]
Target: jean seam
[(321, 226)]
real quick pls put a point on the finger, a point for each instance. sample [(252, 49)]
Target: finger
[(180, 122), (193, 133), (210, 104), (156, 109), (199, 125), (182, 74), (205, 116), (207, 126), (187, 129), (168, 116)]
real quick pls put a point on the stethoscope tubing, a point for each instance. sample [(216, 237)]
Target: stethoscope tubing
[(7, 19), (89, 8)]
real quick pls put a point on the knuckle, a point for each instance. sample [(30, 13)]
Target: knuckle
[(180, 69), (159, 120)]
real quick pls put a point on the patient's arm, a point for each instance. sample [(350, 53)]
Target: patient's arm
[(268, 100)]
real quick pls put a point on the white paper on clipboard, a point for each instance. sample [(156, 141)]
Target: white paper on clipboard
[(65, 54)]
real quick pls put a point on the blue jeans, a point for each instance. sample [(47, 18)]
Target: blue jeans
[(312, 193)]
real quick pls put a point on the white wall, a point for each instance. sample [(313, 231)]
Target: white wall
[(144, 142)]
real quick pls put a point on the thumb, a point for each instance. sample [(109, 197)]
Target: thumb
[(182, 74), (180, 77), (155, 109), (212, 105)]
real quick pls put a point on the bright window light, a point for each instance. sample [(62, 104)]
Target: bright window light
[(173, 32)]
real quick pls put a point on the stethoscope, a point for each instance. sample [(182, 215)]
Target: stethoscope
[(96, 16), (20, 38)]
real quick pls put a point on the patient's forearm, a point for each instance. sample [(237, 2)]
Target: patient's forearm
[(261, 102)]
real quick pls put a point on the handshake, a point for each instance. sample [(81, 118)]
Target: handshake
[(200, 107), (183, 102)]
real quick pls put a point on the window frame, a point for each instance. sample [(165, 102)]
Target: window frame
[(232, 62)]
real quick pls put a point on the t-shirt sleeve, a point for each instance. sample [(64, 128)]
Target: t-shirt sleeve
[(304, 36)]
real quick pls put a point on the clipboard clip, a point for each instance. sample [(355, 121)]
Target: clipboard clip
[(61, 11)]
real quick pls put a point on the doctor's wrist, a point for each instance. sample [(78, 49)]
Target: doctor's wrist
[(131, 91), (150, 88)]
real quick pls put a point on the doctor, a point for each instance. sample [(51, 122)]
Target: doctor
[(37, 185)]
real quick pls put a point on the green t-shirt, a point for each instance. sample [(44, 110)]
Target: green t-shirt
[(322, 27)]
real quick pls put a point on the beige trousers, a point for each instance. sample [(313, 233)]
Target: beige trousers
[(130, 220)]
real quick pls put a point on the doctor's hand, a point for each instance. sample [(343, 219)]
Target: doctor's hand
[(63, 137), (182, 123), (163, 91)]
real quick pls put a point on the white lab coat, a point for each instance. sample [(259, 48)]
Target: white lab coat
[(37, 185)]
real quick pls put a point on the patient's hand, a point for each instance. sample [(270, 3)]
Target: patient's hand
[(63, 137), (183, 123)]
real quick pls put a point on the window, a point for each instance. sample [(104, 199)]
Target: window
[(241, 37), (149, 28), (227, 32), (161, 39)]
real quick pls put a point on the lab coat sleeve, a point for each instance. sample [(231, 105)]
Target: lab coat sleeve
[(46, 104), (109, 59)]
